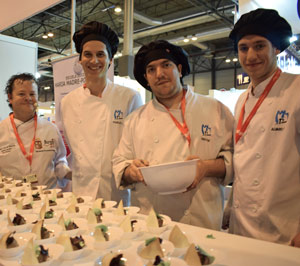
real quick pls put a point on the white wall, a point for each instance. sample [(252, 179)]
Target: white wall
[(16, 56)]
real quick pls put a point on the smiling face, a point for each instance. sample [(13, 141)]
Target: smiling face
[(163, 77), (257, 56), (95, 59), (23, 99)]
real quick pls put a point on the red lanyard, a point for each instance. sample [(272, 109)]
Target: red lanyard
[(183, 128), (241, 127), (27, 156)]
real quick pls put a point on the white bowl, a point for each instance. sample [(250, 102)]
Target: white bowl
[(72, 255), (131, 210), (114, 233), (82, 227), (131, 258), (30, 218), (174, 261), (170, 178), (55, 252), (178, 252), (166, 246), (55, 230), (109, 204), (22, 239)]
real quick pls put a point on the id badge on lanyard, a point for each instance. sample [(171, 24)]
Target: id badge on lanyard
[(31, 178)]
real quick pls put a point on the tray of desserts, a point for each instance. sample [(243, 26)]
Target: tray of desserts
[(54, 228)]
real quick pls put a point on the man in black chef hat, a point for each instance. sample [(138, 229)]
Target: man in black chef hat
[(266, 191), (176, 125), (93, 114)]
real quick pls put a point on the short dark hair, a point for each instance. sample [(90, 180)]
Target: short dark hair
[(10, 83)]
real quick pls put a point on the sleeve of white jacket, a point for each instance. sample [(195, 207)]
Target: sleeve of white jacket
[(61, 164), (124, 153), (226, 151)]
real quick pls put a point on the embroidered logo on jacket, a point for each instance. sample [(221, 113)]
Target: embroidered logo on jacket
[(281, 118), (38, 144), (118, 117), (206, 132)]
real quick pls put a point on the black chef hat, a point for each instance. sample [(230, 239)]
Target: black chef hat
[(264, 22), (158, 50), (95, 30)]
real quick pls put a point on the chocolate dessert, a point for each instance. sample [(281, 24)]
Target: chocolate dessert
[(98, 214), (34, 188), (7, 190), (47, 192), (45, 233), (103, 204), (14, 201), (1, 212), (11, 242), (19, 184), (23, 194), (160, 220), (77, 242), (70, 225), (80, 200), (203, 256), (52, 203), (2, 197), (1, 185), (159, 262), (18, 220), (42, 254), (133, 222), (27, 206), (117, 261), (49, 214), (36, 196), (59, 195)]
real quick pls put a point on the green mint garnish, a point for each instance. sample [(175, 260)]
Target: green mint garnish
[(148, 241), (97, 211), (211, 236), (67, 222), (102, 227)]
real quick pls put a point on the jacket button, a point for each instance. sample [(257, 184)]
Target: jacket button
[(79, 121), (258, 156), (186, 212), (255, 182), (156, 140)]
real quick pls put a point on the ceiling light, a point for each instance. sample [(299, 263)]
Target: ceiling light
[(50, 34), (118, 9), (194, 38), (234, 59), (293, 38), (47, 88), (227, 60), (37, 75), (186, 39), (45, 36)]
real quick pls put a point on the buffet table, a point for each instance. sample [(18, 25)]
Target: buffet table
[(226, 248)]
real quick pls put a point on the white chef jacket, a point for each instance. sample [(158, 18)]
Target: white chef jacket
[(150, 133), (93, 127), (49, 156), (266, 191)]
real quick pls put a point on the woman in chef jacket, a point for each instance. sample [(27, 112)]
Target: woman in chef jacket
[(31, 148)]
